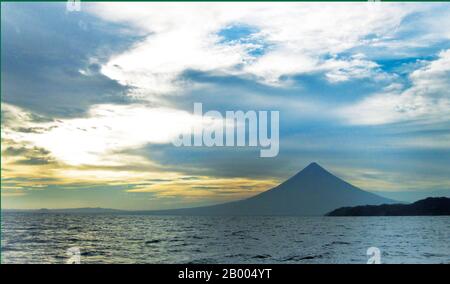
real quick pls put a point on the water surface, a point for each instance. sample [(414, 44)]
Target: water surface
[(110, 238)]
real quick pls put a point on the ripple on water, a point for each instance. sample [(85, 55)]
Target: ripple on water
[(44, 238)]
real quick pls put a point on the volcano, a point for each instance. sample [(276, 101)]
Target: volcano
[(311, 192)]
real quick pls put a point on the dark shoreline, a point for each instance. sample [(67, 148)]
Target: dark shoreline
[(432, 206)]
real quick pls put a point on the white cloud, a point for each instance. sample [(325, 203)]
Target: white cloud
[(103, 136), (184, 36), (427, 99), (356, 67), (96, 139)]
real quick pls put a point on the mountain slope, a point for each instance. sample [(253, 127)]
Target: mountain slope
[(312, 191)]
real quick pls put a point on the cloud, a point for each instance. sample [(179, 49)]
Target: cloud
[(105, 138), (28, 155), (34, 161), (98, 138), (355, 67), (294, 37), (427, 99), (369, 179), (61, 78), (206, 187)]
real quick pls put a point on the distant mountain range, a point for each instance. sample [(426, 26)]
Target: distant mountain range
[(432, 206), (311, 192), (86, 210)]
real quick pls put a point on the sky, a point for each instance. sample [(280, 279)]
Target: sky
[(92, 99)]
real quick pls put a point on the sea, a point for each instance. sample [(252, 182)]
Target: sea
[(112, 238)]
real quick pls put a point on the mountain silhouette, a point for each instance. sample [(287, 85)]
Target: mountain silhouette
[(431, 206), (312, 191)]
